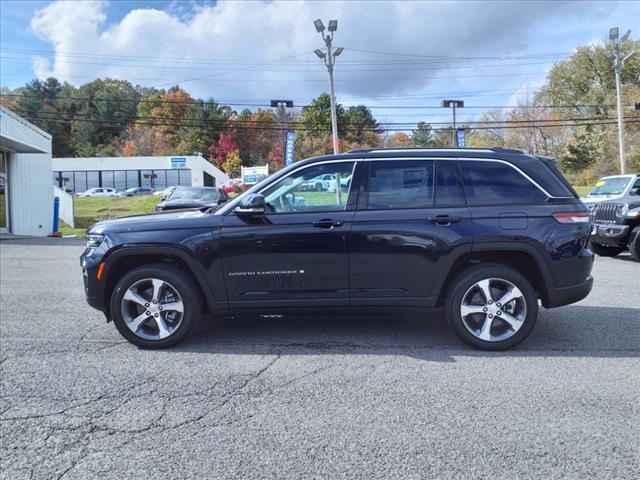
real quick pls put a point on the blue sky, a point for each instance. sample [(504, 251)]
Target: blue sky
[(397, 54)]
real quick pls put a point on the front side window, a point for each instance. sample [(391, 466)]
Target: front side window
[(495, 183), (396, 184), (318, 188)]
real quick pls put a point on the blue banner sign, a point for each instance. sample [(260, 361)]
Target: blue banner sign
[(460, 138), (289, 147)]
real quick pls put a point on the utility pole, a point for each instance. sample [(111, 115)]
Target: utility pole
[(618, 63), (329, 60), (453, 104)]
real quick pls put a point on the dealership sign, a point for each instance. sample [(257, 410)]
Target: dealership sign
[(251, 175), (460, 138), (178, 162)]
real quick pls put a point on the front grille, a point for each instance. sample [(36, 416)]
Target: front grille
[(606, 212)]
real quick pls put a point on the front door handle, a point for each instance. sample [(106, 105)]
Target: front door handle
[(444, 220), (327, 223)]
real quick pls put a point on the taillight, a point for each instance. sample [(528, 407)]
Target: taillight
[(572, 217)]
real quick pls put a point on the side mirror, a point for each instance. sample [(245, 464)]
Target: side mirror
[(252, 205), (634, 192)]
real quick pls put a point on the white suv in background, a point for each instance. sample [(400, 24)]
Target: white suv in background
[(615, 186), (99, 192)]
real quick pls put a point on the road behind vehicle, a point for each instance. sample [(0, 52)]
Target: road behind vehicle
[(193, 197), (98, 192), (612, 187), (136, 191), (486, 234)]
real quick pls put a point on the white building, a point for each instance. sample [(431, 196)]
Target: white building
[(26, 196), (81, 174)]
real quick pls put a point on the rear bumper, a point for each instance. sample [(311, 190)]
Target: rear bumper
[(557, 297)]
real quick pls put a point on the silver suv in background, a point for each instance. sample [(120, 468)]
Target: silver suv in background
[(615, 186)]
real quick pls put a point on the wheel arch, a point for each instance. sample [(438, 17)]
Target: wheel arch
[(128, 258), (522, 259)]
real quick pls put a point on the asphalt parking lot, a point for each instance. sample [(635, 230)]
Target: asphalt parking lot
[(312, 397)]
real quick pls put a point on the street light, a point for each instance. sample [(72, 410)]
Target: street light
[(453, 104), (281, 105), (618, 63), (329, 58)]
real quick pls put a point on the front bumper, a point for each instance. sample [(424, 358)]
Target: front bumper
[(610, 234)]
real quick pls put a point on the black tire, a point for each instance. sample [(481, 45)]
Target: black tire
[(605, 251), (463, 284), (634, 244), (178, 281), (318, 187)]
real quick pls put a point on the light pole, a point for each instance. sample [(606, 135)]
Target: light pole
[(281, 105), (618, 63), (453, 104), (329, 60)]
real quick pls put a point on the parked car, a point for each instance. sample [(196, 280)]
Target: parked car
[(193, 197), (136, 192), (320, 183), (98, 192), (617, 226), (613, 187), (485, 234), (166, 193)]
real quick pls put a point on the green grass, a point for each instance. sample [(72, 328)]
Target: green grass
[(582, 191), (91, 210)]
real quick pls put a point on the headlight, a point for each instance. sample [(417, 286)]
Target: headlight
[(94, 240), (633, 213)]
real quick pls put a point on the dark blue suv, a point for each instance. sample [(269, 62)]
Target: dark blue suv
[(487, 234)]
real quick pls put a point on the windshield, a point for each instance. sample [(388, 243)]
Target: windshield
[(200, 194), (611, 186)]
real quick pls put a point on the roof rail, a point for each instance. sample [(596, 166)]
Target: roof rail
[(420, 149)]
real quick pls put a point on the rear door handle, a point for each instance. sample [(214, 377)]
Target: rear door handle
[(444, 220), (327, 223)]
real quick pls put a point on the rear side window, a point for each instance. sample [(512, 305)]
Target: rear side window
[(448, 185), (494, 183), (398, 184)]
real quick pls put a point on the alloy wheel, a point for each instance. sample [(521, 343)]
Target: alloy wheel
[(493, 309), (152, 309)]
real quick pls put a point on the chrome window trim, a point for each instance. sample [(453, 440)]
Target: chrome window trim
[(228, 208)]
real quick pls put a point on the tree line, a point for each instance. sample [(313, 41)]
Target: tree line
[(571, 117)]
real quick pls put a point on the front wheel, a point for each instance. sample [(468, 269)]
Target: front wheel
[(605, 251), (491, 307), (155, 306)]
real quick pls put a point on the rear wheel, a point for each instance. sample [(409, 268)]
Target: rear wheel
[(605, 251), (155, 306), (492, 307), (634, 244)]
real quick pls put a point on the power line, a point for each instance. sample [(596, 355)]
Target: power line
[(118, 123), (223, 104)]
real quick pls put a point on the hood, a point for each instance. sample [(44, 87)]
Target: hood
[(158, 221), (632, 200), (187, 203)]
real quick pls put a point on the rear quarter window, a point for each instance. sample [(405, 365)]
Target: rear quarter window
[(496, 183)]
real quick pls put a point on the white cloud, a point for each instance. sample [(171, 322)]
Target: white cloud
[(230, 42)]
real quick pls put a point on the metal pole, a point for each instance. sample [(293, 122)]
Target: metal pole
[(329, 62), (617, 66), (334, 117)]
